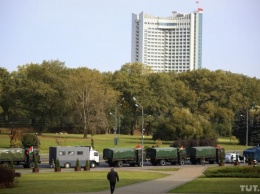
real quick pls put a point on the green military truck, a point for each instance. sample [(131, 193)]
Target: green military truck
[(161, 156), (205, 153), (120, 156), (19, 156)]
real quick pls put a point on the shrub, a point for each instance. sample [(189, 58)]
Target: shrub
[(12, 164), (233, 171), (57, 164), (87, 164), (7, 177), (29, 140), (77, 163)]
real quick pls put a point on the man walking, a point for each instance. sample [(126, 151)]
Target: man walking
[(112, 176)]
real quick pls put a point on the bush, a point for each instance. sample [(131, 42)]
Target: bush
[(29, 140), (77, 163), (57, 164), (233, 171), (7, 177)]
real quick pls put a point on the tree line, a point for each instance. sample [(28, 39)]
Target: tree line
[(49, 97)]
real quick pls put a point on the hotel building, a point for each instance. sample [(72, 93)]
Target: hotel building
[(166, 44)]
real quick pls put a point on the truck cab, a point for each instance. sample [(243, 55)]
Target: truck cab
[(93, 158)]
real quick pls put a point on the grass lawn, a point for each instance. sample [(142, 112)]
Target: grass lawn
[(100, 141), (217, 185), (73, 182), (105, 141), (231, 145)]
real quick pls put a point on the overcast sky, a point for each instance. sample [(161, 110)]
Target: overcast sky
[(97, 34)]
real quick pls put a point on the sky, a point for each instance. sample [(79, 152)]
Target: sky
[(97, 34)]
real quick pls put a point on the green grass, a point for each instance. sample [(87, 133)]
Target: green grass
[(233, 145), (75, 182), (100, 141), (105, 141), (233, 171), (217, 185)]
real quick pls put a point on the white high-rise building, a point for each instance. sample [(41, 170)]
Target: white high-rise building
[(171, 43)]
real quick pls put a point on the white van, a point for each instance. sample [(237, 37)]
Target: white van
[(231, 157)]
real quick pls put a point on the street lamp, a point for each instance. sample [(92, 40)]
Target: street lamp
[(246, 126), (142, 149), (115, 128)]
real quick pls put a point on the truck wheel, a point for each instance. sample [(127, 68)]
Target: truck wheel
[(119, 163), (140, 163), (67, 165), (182, 162), (31, 165), (162, 162), (92, 165), (6, 164)]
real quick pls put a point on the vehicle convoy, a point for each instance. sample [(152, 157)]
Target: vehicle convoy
[(160, 156), (19, 156), (120, 156), (206, 153), (68, 156), (253, 153)]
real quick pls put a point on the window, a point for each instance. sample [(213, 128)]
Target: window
[(62, 153), (79, 152), (70, 153), (95, 153)]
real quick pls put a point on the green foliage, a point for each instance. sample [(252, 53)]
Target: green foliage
[(188, 105), (87, 164), (77, 163), (7, 177), (29, 140), (12, 164), (90, 97), (57, 163), (233, 171)]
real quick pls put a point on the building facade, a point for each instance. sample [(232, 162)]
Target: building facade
[(166, 44)]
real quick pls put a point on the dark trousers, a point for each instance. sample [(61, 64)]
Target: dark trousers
[(112, 186)]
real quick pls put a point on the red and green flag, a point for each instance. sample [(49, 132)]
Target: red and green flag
[(30, 150)]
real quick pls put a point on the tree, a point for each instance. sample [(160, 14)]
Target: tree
[(29, 140), (39, 95), (90, 98), (15, 138)]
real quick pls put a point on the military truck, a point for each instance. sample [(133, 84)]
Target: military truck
[(161, 156), (205, 153), (120, 156), (19, 156), (252, 153), (68, 156)]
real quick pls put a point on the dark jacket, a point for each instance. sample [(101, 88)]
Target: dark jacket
[(112, 176)]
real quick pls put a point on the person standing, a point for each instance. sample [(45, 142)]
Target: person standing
[(112, 176)]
